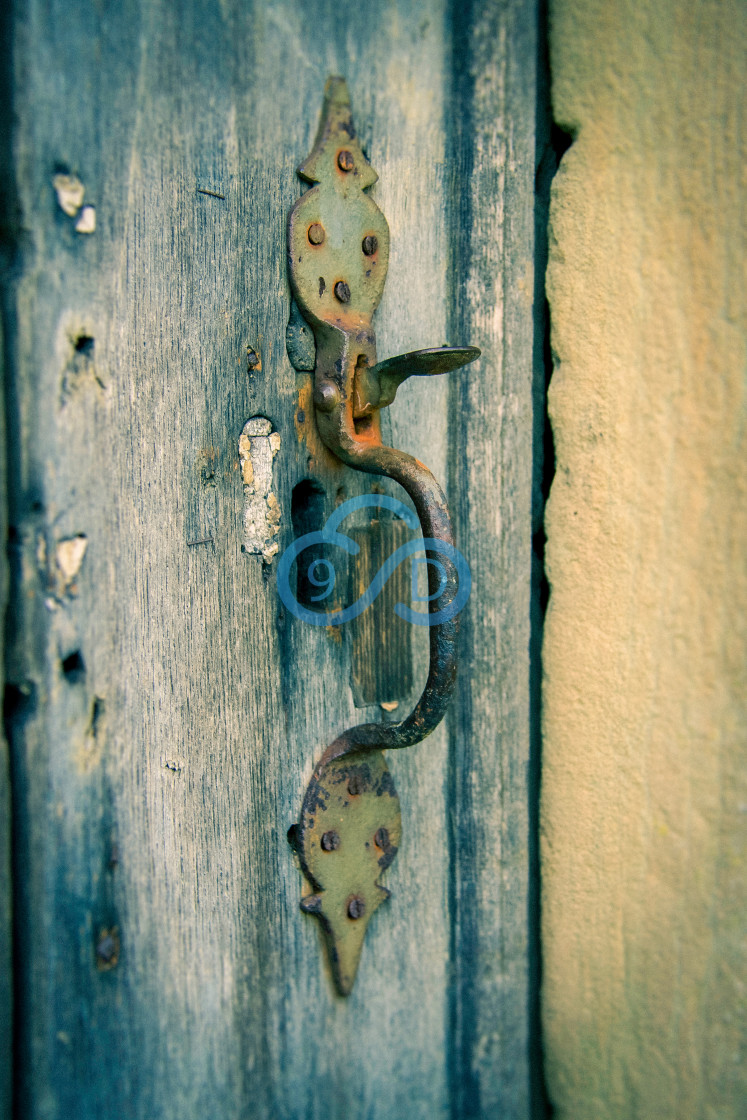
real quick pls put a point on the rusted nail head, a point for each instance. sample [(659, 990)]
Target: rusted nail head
[(342, 291), (316, 233), (355, 786), (326, 396), (381, 838), (252, 358), (106, 948), (356, 908), (345, 160), (370, 245), (330, 841)]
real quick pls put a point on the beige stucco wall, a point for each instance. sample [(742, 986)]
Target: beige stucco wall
[(644, 798)]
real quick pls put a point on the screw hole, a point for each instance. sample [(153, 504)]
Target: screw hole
[(74, 667), (84, 344)]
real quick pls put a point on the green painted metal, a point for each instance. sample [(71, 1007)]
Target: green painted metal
[(382, 382), (329, 225), (351, 827)]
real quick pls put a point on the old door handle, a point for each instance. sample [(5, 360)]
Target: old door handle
[(338, 250)]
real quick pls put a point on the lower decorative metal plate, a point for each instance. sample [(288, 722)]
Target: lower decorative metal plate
[(349, 833)]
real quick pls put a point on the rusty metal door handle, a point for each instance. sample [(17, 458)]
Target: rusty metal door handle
[(338, 251)]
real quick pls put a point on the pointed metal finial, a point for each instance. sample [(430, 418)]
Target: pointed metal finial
[(337, 147), (348, 834), (338, 239)]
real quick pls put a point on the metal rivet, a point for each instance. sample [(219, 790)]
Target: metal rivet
[(355, 786), (342, 291), (381, 838), (370, 245), (330, 841), (326, 396), (316, 233), (356, 908), (345, 160)]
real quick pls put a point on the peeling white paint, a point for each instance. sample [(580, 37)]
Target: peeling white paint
[(258, 446), (86, 222), (70, 192), (69, 555)]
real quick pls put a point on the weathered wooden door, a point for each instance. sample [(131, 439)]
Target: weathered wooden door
[(163, 712)]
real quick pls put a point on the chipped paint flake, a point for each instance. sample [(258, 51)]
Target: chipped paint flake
[(86, 222), (65, 563), (70, 192), (69, 555), (258, 446)]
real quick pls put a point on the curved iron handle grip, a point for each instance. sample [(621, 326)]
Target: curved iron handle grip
[(372, 456), (338, 250)]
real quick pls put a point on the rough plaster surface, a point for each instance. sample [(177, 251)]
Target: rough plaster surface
[(644, 801)]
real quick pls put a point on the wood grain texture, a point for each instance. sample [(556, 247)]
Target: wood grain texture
[(7, 241), (169, 711), (380, 641), (491, 458), (6, 878)]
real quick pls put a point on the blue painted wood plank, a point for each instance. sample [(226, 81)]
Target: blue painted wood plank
[(169, 713)]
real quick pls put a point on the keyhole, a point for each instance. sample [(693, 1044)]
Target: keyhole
[(307, 516)]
